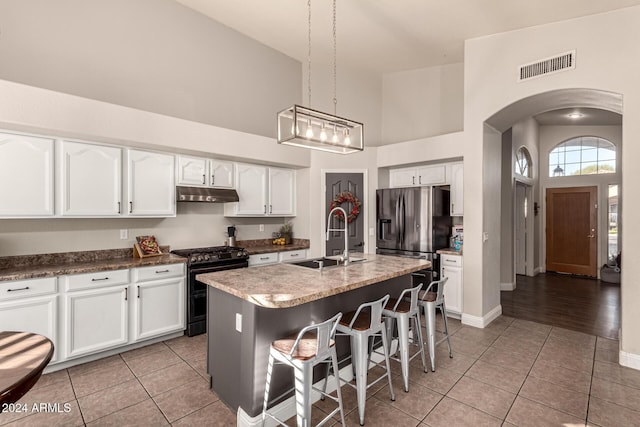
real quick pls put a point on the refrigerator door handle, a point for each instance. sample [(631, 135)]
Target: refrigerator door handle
[(402, 219), (398, 229)]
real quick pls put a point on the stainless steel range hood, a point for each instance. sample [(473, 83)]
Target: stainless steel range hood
[(203, 194)]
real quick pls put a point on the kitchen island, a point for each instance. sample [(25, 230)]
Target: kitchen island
[(249, 308)]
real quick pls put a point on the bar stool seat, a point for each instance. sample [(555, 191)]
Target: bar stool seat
[(313, 345), (363, 326), (404, 312), (431, 300)]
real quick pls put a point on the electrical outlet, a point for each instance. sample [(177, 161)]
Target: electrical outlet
[(238, 322), (261, 227), (124, 234), (372, 231)]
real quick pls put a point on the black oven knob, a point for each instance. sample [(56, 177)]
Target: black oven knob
[(207, 257)]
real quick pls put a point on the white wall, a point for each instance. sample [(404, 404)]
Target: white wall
[(422, 103), (154, 55), (550, 136), (491, 86), (440, 147)]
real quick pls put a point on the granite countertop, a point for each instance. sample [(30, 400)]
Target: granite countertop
[(58, 264), (287, 285), (264, 246), (449, 251)]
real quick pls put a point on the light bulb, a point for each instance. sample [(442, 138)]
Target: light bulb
[(323, 134), (347, 140), (309, 132), (334, 138)]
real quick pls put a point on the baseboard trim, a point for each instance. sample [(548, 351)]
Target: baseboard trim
[(507, 286), (630, 360), (482, 322)]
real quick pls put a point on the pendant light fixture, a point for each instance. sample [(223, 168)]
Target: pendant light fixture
[(304, 127)]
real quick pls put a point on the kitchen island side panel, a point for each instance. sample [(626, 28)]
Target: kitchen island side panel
[(238, 361)]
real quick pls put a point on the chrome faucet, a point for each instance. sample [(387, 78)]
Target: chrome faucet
[(345, 230)]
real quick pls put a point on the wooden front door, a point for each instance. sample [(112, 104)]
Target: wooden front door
[(572, 230), (336, 183)]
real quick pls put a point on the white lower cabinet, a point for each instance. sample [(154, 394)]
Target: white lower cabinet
[(31, 306), (451, 267), (275, 257), (159, 306), (96, 320)]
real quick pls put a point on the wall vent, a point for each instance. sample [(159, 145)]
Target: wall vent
[(563, 62)]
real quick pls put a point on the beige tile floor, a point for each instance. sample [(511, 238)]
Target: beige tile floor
[(513, 373)]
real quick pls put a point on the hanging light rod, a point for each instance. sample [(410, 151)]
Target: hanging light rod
[(304, 127)]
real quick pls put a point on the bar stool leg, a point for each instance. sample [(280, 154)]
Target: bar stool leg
[(334, 362), (385, 348), (266, 388), (403, 336), (443, 310), (430, 319), (416, 319), (303, 382), (360, 357)]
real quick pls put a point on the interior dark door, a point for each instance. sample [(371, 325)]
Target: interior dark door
[(335, 184), (571, 230)]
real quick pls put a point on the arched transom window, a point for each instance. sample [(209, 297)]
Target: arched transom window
[(584, 155), (523, 162)]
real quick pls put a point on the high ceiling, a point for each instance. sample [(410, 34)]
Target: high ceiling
[(390, 35)]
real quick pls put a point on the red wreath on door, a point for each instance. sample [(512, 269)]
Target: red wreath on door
[(346, 197)]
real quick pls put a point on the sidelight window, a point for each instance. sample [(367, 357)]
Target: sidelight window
[(584, 155)]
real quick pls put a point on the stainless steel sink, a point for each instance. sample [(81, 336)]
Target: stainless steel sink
[(320, 263)]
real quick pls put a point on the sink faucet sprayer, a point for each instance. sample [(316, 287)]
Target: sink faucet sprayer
[(345, 230)]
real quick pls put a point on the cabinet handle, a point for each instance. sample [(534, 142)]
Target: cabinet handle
[(453, 207), (413, 180), (420, 180), (213, 179), (130, 207), (264, 258), (18, 289), (126, 294), (161, 271), (119, 208), (138, 291), (292, 255), (450, 260), (204, 179), (99, 280), (265, 209), (270, 208)]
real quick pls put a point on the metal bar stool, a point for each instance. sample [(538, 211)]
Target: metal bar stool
[(430, 300), (362, 326), (313, 345), (403, 312)]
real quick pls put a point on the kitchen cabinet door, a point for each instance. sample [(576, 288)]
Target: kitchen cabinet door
[(192, 171), (221, 173), (38, 315), (251, 185), (453, 288), (151, 184), (431, 175), (402, 177), (457, 199), (89, 178), (282, 191), (159, 307), (96, 320), (26, 176)]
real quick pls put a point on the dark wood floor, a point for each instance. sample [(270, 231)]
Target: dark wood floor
[(579, 304)]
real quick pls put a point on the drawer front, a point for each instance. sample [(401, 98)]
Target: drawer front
[(95, 280), (158, 272), (293, 255), (451, 260), (27, 288), (261, 259)]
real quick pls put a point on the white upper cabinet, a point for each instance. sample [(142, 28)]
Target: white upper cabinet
[(423, 175), (263, 191), (281, 191), (457, 207), (192, 171), (200, 172), (151, 187), (26, 176), (89, 179)]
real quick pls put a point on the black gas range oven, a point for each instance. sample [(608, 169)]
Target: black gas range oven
[(206, 260)]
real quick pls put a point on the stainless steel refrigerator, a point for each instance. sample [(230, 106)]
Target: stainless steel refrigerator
[(413, 222)]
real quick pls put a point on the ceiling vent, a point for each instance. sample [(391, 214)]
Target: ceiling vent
[(555, 64)]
